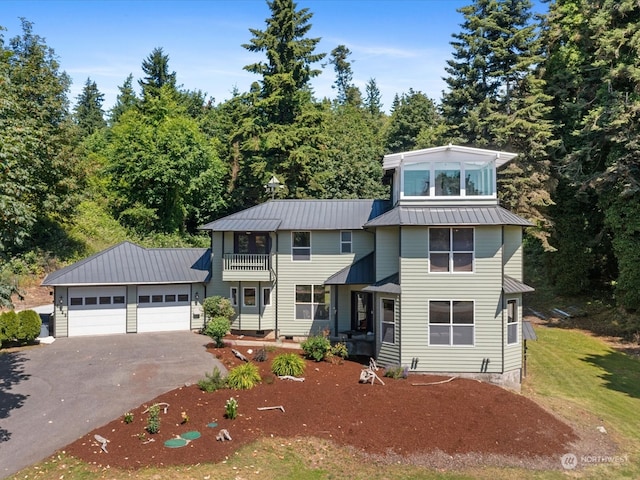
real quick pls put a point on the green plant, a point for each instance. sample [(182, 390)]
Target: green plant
[(340, 350), (184, 417), (316, 347), (29, 326), (231, 408), (153, 420), (243, 377), (396, 371), (288, 364), (217, 328), (217, 306), (9, 326), (212, 381), (128, 418)]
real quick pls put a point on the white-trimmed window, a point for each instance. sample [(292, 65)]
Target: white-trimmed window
[(233, 296), (346, 241), (312, 302), (388, 320), (512, 322), (266, 296), (300, 246), (451, 250), (249, 296), (451, 322), (449, 179)]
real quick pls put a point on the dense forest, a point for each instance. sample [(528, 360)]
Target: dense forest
[(562, 90)]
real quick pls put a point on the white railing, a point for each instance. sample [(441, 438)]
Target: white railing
[(247, 262)]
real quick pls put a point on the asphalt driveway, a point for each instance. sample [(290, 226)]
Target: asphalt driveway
[(52, 394)]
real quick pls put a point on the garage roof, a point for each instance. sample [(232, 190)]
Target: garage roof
[(128, 263)]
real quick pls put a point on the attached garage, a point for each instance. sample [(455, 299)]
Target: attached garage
[(131, 289), (97, 311), (164, 308)]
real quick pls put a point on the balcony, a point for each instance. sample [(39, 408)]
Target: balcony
[(246, 267)]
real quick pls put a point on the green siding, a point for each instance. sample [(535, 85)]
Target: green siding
[(387, 252), (132, 308), (483, 287), (513, 252)]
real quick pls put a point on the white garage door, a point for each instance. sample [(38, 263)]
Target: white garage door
[(97, 310), (163, 308)]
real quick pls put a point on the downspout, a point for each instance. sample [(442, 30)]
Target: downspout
[(276, 287), (400, 296), (240, 300), (502, 304), (259, 295)]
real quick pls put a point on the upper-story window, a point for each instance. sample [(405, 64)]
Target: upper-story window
[(345, 241), (301, 246), (448, 179), (451, 249)]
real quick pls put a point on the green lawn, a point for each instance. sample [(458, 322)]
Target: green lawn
[(571, 373)]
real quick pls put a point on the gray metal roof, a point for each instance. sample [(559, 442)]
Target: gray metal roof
[(511, 285), (127, 263), (480, 215), (527, 331), (301, 215), (358, 273), (390, 284)]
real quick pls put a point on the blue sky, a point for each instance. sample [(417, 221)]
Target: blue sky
[(403, 44)]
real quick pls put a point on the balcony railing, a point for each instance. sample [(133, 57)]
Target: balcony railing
[(247, 262)]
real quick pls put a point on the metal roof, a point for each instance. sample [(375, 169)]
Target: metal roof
[(301, 215), (390, 284), (127, 263), (511, 285), (480, 215), (359, 272), (527, 331)]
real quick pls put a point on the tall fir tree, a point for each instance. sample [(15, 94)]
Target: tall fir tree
[(88, 113), (124, 101), (347, 91), (157, 74), (411, 114)]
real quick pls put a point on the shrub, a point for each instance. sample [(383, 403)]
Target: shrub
[(288, 364), (396, 371), (9, 326), (217, 328), (212, 381), (261, 355), (153, 420), (30, 325), (340, 350), (231, 408), (243, 377), (218, 307), (316, 347), (128, 418)]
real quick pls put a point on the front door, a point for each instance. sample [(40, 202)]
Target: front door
[(362, 312)]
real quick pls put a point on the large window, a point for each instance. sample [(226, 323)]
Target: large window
[(512, 322), (388, 320), (249, 296), (451, 322), (451, 249), (301, 245), (312, 302), (449, 179)]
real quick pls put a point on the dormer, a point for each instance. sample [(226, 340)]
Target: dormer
[(448, 175)]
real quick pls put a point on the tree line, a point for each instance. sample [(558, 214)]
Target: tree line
[(560, 89)]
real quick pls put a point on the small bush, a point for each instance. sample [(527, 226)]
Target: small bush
[(217, 328), (128, 418), (260, 355), (212, 381), (29, 326), (218, 307), (9, 326), (153, 420), (288, 364), (231, 408), (396, 371), (243, 377), (316, 347), (340, 350)]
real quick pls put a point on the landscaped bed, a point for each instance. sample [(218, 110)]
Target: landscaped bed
[(397, 420)]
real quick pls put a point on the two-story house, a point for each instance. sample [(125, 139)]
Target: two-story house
[(430, 279)]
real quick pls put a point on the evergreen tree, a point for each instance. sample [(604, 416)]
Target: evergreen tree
[(125, 100), (373, 98), (347, 91), (411, 114), (156, 69), (88, 113)]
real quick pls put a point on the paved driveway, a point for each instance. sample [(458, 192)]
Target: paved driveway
[(52, 394)]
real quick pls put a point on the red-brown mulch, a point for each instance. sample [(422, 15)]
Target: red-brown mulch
[(458, 417)]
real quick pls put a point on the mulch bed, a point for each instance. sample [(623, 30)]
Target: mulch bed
[(398, 418)]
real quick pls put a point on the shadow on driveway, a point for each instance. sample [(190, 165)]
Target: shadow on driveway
[(11, 373)]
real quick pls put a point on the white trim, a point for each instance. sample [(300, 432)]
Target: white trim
[(293, 232), (451, 252), (516, 315), (233, 298), (255, 297), (382, 321), (349, 242), (265, 303), (451, 324)]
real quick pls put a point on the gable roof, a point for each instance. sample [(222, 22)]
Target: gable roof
[(348, 214), (480, 215), (128, 263), (447, 152)]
